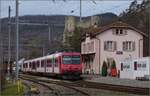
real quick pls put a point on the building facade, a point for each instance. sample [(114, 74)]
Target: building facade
[(116, 41)]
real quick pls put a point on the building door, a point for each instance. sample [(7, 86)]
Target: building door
[(109, 63), (88, 64)]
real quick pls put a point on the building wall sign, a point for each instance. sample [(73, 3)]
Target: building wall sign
[(119, 52)]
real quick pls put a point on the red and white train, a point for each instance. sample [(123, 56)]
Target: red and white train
[(64, 64)]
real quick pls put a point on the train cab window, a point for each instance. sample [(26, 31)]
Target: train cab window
[(42, 63), (49, 63), (71, 59)]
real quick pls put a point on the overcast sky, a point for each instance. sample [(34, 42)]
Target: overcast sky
[(47, 7)]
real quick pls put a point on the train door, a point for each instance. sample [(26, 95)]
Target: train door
[(30, 65), (33, 66), (56, 65), (49, 65), (38, 66), (53, 62), (42, 66)]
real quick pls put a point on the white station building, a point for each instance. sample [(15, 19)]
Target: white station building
[(135, 68)]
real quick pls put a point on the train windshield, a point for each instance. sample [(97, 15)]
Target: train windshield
[(71, 59)]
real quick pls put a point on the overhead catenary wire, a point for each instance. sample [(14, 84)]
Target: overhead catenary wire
[(58, 3), (70, 0)]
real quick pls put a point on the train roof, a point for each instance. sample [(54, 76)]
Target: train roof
[(52, 55)]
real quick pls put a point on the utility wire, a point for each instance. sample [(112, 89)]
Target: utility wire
[(71, 0)]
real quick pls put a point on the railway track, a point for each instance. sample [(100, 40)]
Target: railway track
[(54, 91), (85, 84)]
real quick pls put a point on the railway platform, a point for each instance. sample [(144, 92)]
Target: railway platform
[(116, 81)]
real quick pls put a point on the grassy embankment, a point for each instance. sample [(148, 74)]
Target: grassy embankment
[(11, 89)]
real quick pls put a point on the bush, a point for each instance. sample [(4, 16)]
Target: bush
[(104, 69), (113, 65)]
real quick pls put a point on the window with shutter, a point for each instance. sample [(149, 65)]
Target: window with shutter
[(110, 45), (128, 46)]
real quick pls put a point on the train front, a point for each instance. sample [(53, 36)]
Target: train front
[(71, 67)]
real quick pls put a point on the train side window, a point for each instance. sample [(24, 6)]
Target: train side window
[(48, 62), (24, 65), (27, 65), (33, 65), (38, 64), (42, 63), (135, 65), (30, 64)]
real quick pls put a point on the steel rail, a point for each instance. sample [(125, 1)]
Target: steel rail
[(119, 88), (56, 83)]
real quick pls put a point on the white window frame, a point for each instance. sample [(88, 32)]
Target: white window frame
[(119, 31), (110, 45), (128, 45)]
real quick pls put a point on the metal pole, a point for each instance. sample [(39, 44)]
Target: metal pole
[(80, 10), (1, 55), (49, 33), (9, 31), (43, 49), (17, 38)]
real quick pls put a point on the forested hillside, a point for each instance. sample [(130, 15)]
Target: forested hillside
[(34, 40), (138, 16)]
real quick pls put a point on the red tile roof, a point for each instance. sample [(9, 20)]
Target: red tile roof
[(118, 24)]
